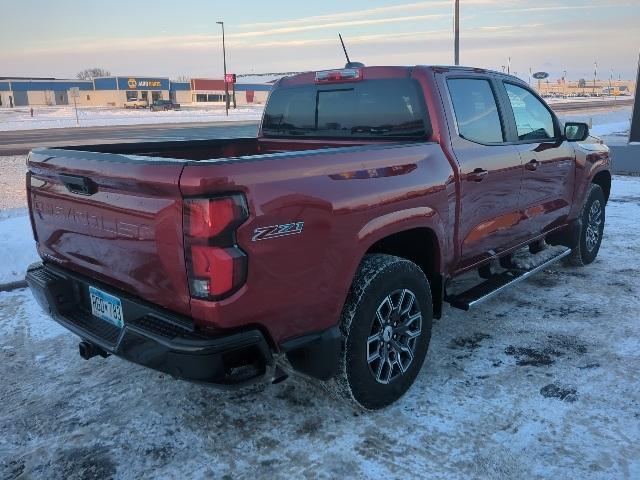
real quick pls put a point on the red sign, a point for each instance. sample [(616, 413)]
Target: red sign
[(230, 78)]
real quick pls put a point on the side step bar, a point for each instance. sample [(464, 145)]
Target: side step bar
[(496, 283)]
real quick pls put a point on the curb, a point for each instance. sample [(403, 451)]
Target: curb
[(8, 287)]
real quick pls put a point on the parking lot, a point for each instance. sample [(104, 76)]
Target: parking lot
[(541, 381)]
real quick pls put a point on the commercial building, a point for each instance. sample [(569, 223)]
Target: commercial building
[(207, 90), (21, 92), (115, 91)]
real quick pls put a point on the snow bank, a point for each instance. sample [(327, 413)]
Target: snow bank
[(18, 246), (63, 117), (603, 122)]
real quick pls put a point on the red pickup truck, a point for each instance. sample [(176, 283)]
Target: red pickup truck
[(328, 243)]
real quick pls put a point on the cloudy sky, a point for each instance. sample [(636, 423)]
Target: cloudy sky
[(174, 38)]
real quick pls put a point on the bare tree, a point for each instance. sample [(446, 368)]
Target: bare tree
[(91, 73), (182, 78)]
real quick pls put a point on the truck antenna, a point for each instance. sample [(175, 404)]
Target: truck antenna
[(349, 64), (344, 48)]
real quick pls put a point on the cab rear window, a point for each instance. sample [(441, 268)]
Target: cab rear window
[(369, 109)]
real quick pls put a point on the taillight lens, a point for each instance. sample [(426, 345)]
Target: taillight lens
[(215, 264), (209, 218)]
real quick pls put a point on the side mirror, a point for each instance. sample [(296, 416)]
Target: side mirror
[(576, 131)]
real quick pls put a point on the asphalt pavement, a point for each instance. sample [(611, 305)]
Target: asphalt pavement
[(20, 142)]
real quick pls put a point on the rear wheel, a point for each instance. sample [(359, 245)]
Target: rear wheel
[(593, 217), (386, 328)]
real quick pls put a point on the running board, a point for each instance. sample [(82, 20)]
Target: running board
[(495, 284)]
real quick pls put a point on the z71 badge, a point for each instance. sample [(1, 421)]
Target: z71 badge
[(275, 231)]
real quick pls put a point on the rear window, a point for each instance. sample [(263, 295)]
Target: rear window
[(370, 109)]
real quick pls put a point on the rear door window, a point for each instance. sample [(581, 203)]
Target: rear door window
[(372, 108), (476, 110)]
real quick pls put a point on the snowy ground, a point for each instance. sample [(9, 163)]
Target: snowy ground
[(59, 117), (603, 99), (604, 121), (540, 382)]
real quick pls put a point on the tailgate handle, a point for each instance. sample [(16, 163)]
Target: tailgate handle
[(77, 184)]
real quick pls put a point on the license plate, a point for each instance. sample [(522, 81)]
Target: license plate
[(105, 306)]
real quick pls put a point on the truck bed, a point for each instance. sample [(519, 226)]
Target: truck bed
[(195, 150)]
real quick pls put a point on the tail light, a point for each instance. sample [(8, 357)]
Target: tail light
[(216, 266), (336, 76)]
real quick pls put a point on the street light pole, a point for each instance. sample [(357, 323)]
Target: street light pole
[(456, 32), (224, 60)]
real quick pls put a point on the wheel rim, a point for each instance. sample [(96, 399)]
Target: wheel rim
[(594, 222), (394, 334)]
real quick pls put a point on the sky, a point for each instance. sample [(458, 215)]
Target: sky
[(181, 38)]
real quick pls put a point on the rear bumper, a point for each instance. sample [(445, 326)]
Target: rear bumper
[(151, 336)]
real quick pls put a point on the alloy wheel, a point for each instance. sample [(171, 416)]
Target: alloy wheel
[(392, 341)]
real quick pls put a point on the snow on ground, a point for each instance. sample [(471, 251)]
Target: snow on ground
[(540, 382), (60, 117), (603, 99), (13, 171), (603, 122), (18, 247)]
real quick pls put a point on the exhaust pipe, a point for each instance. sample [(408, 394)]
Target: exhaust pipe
[(89, 350)]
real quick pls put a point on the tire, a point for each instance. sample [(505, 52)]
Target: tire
[(593, 218), (383, 282)]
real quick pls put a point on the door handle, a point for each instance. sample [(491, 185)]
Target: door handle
[(532, 165), (477, 175)]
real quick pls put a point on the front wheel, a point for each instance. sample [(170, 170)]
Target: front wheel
[(593, 216), (386, 328)]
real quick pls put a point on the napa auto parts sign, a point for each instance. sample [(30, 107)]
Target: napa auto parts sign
[(137, 83)]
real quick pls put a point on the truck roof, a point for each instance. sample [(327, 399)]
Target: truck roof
[(390, 71)]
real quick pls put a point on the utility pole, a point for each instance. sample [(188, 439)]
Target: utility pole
[(456, 32), (610, 88), (509, 66), (224, 60), (595, 74)]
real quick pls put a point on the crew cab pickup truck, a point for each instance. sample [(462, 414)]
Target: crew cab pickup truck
[(327, 244)]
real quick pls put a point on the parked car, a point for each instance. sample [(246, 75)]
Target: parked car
[(331, 239), (136, 103), (158, 105)]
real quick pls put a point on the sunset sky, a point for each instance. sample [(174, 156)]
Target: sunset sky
[(169, 38)]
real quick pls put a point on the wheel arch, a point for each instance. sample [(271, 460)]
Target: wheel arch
[(420, 245), (603, 179)]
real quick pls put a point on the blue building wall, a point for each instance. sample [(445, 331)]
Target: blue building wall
[(180, 86), (34, 85), (256, 87), (106, 83), (4, 86)]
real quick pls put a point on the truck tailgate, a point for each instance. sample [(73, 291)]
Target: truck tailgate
[(115, 218)]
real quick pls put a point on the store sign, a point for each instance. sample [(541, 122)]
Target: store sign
[(230, 78), (134, 84), (149, 84), (540, 75)]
